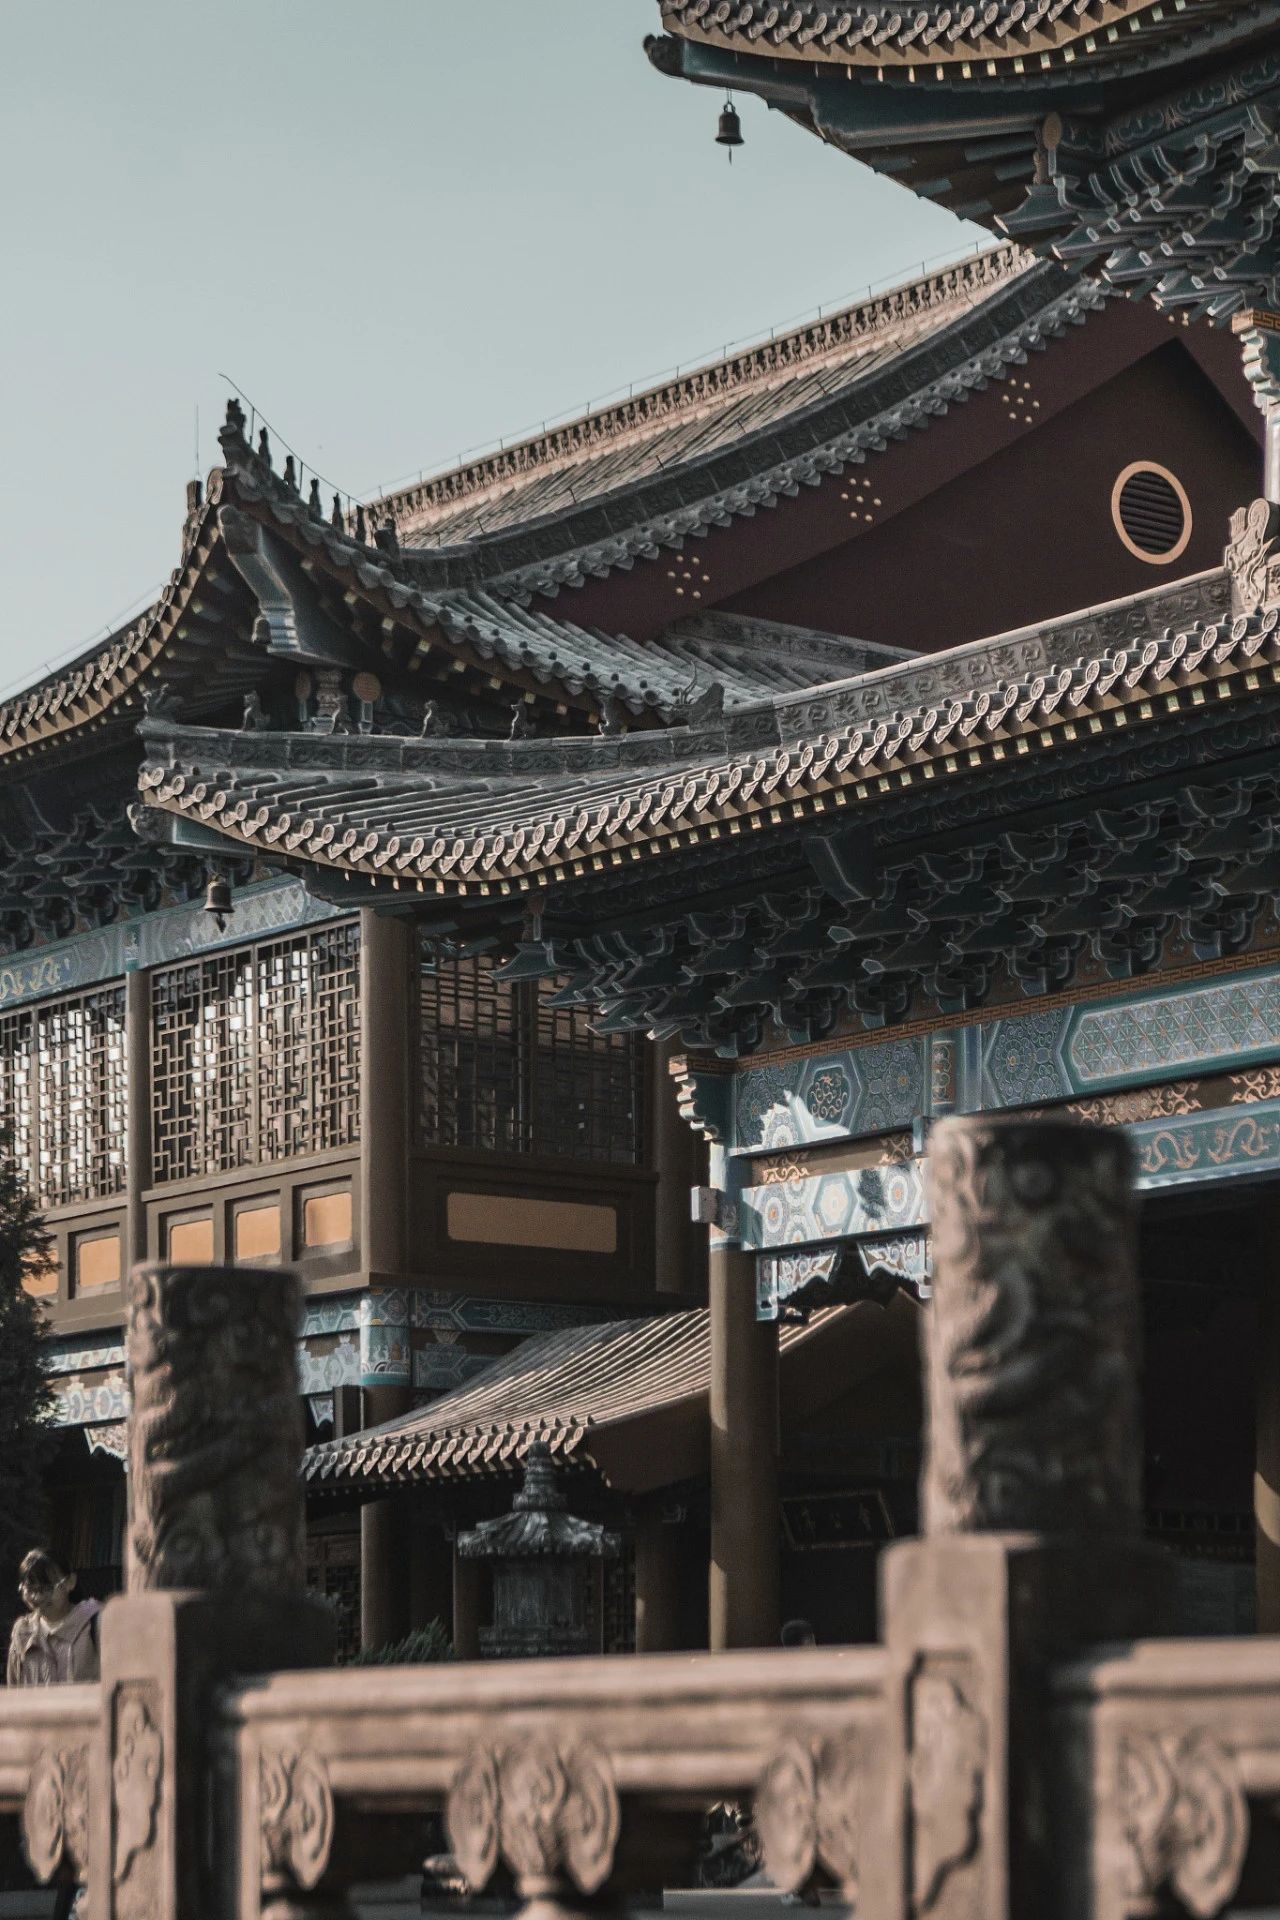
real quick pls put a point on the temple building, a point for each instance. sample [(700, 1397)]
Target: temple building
[(1031, 866), (701, 795)]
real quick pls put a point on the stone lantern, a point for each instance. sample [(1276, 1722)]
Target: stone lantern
[(541, 1558)]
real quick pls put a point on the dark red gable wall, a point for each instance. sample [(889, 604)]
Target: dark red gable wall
[(799, 553), (1028, 532)]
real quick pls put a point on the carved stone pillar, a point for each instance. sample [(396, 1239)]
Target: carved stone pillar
[(215, 1432), (216, 1585), (1030, 1502), (1032, 1340)]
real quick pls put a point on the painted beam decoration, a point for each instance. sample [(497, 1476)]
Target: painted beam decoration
[(413, 1337), (1229, 1025), (842, 1236), (1191, 1071)]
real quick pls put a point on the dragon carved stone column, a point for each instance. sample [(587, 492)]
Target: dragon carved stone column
[(1030, 1511), (215, 1554), (1032, 1340)]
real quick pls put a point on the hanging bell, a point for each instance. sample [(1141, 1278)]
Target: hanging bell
[(217, 900), (729, 131)]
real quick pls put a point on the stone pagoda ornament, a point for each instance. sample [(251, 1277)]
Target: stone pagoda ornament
[(541, 1557)]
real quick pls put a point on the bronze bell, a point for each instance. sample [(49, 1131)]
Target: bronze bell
[(729, 131), (217, 900)]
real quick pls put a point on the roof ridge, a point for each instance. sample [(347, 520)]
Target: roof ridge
[(710, 381)]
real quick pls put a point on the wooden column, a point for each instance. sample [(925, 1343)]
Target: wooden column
[(430, 1569), (385, 959), (466, 1606), (1266, 1478), (384, 1541), (743, 1590), (137, 1032), (657, 1583), (675, 1158)]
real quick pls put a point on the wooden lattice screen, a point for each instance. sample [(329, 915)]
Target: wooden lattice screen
[(255, 1054), (64, 1095), (501, 1069)]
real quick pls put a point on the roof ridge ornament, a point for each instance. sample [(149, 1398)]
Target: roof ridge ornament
[(1252, 558)]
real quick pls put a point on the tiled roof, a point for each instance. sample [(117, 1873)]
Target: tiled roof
[(827, 424), (700, 453), (970, 42), (747, 659), (685, 420), (627, 1398), (487, 818), (109, 680)]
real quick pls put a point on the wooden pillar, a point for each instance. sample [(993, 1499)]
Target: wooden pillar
[(1266, 1478), (743, 1590), (385, 959), (384, 1541), (137, 1040), (430, 1570), (466, 1606), (675, 1160), (657, 1583)]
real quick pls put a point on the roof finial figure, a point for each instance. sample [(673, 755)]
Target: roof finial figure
[(256, 719), (708, 705), (290, 473), (231, 433), (520, 728), (314, 505), (159, 702), (336, 520), (264, 446)]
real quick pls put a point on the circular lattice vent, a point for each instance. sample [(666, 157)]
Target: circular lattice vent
[(1152, 513)]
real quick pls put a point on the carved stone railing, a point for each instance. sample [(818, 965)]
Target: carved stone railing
[(1009, 1749)]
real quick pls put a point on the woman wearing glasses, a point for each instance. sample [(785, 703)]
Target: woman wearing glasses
[(57, 1638)]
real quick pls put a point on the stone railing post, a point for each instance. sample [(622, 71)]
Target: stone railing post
[(215, 1576), (1030, 1499)]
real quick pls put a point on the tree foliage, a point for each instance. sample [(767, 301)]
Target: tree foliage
[(26, 1437)]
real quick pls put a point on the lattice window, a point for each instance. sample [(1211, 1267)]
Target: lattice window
[(82, 1097), (308, 1042), (64, 1095), (202, 1067), (255, 1054), (17, 1085), (501, 1070)]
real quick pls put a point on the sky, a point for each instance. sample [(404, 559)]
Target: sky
[(405, 229)]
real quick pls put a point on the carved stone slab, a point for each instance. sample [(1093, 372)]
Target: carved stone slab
[(55, 1814), (550, 1810)]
